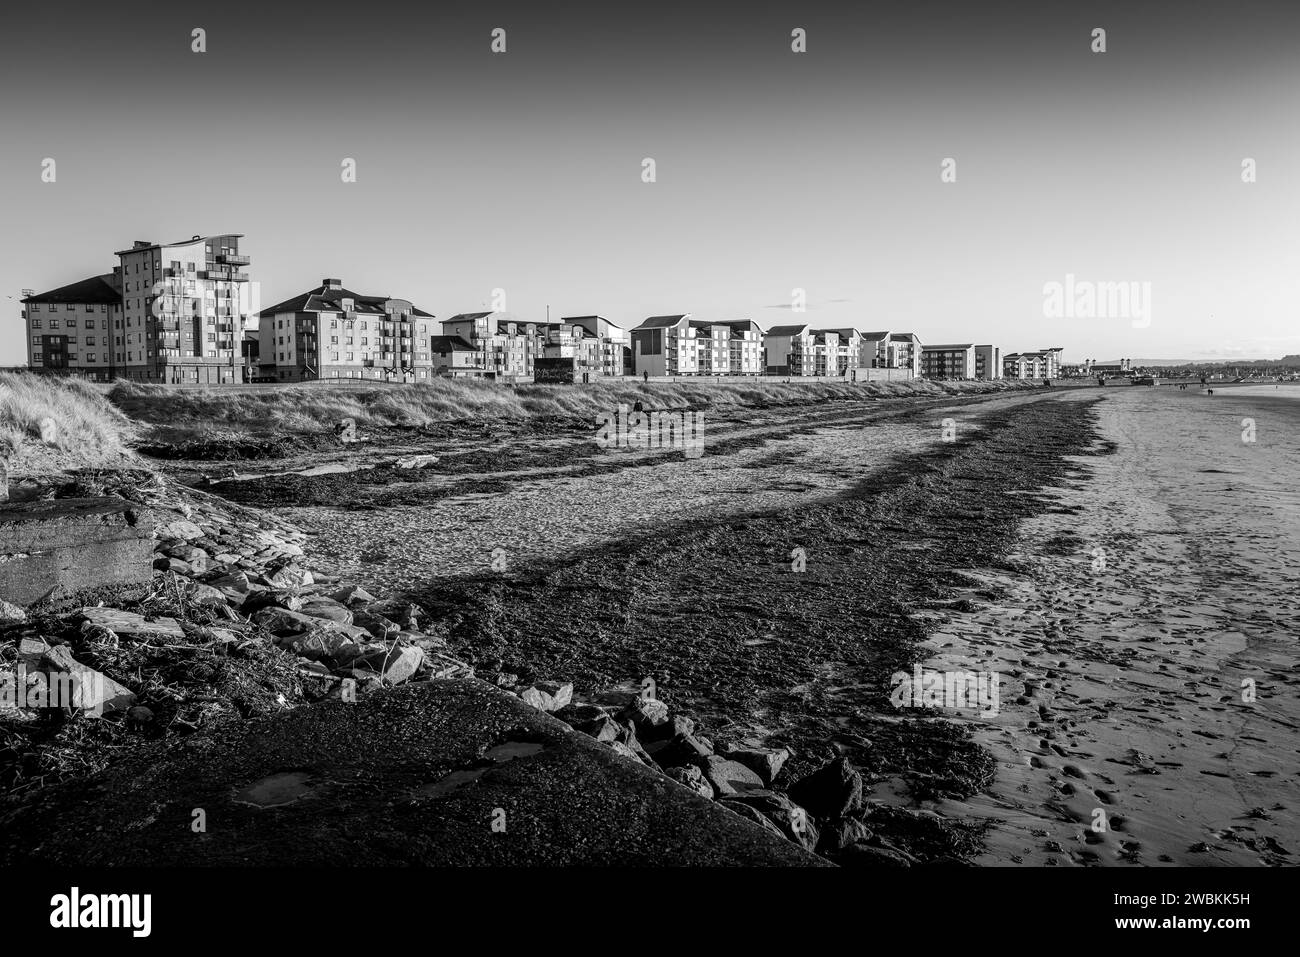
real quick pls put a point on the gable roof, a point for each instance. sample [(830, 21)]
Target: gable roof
[(663, 322), (787, 330), (93, 290), (326, 299), (450, 344)]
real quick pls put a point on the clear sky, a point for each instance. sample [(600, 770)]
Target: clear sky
[(775, 170)]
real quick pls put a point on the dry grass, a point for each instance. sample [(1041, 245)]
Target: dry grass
[(82, 429), (318, 409)]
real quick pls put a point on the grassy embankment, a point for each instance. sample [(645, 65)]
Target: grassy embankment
[(52, 425)]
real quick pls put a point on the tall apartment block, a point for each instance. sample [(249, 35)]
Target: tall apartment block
[(988, 362), (615, 343), (507, 346), (183, 311), (665, 346), (732, 347), (904, 352), (333, 333), (1043, 364)]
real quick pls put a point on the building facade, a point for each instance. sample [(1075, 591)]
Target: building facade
[(1043, 364), (904, 352), (988, 362), (615, 343), (72, 329), (954, 361), (665, 346), (333, 333), (508, 346)]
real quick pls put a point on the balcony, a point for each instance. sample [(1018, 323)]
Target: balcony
[(230, 259)]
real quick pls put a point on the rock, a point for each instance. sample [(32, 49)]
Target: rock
[(765, 762), (287, 576), (840, 833), (327, 608), (753, 815), (864, 855), (506, 679), (352, 594), (728, 777), (445, 666), (692, 778), (591, 720), (405, 613), (234, 585), (789, 818), (282, 622), (396, 664), (377, 625), (547, 695), (415, 462), (226, 558), (196, 558), (832, 791), (321, 643), (11, 614), (201, 594), (618, 747), (180, 528), (648, 715), (682, 750), (91, 690)]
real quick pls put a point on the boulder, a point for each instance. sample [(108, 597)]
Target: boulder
[(91, 690), (793, 821), (840, 833), (832, 791), (765, 762), (11, 614), (327, 608), (396, 664), (415, 462), (352, 594), (682, 750), (728, 777), (752, 815), (180, 528), (865, 855), (377, 625), (648, 715), (692, 778)]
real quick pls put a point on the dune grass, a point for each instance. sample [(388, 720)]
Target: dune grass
[(54, 424), (310, 409)]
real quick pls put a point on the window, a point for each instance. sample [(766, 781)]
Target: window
[(212, 353), (90, 340), (36, 340), (36, 323), (349, 357), (69, 308), (54, 323)]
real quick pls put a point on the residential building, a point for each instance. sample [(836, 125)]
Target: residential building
[(454, 357), (665, 346), (71, 329), (577, 345), (184, 306), (948, 361), (730, 347), (615, 343), (838, 350), (331, 332), (790, 351), (988, 362), (509, 346), (873, 350), (1043, 364), (904, 352)]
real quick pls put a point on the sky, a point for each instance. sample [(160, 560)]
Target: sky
[(774, 170)]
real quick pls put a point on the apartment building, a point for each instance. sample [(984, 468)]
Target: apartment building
[(615, 343), (730, 347), (790, 351), (988, 362), (665, 346), (577, 346), (839, 350), (331, 332), (952, 361), (184, 306), (904, 352), (455, 358), (508, 346), (71, 329), (1043, 364), (873, 350)]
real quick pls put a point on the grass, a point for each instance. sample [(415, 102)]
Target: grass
[(55, 424), (319, 409)]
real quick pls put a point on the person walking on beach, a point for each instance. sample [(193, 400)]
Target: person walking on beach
[(645, 376)]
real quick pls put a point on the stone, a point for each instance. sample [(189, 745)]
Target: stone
[(377, 625), (765, 762), (174, 565), (728, 777), (90, 690), (506, 679), (327, 608), (547, 695), (648, 714), (201, 594), (415, 462), (840, 833), (287, 576), (10, 613), (282, 622), (234, 585), (794, 822), (591, 720), (445, 666), (865, 855), (352, 594), (692, 778), (55, 547), (752, 815), (396, 664), (320, 643), (832, 791), (681, 750), (180, 528)]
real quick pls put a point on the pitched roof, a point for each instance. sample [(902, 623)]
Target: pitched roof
[(949, 346), (184, 242), (463, 316), (663, 322), (875, 336), (787, 330), (900, 336), (326, 299), (450, 344), (95, 289)]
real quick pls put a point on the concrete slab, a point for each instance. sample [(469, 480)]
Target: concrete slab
[(63, 545), (451, 772)]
